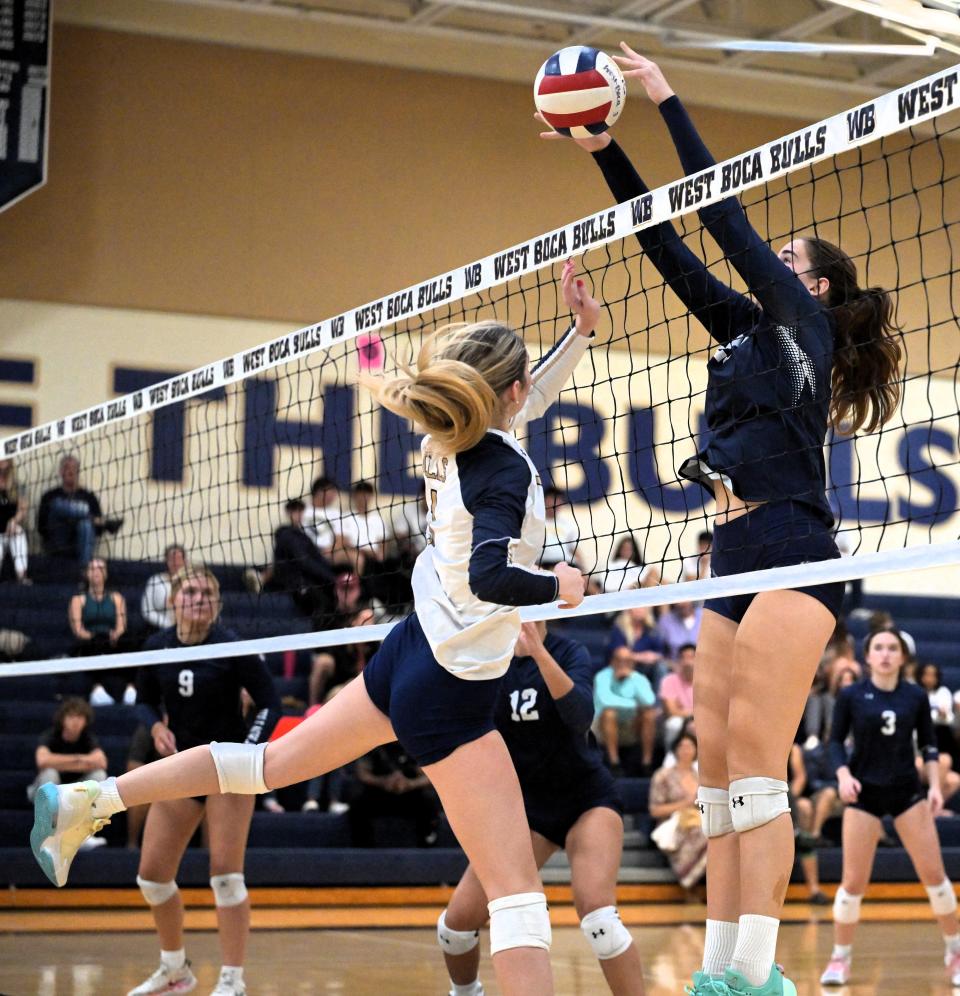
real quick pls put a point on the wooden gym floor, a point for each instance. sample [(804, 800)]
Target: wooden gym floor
[(361, 942)]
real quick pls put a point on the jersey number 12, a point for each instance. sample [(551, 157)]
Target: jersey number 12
[(526, 710)]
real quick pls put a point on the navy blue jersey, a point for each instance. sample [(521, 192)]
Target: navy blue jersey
[(769, 382), (883, 724), (549, 739), (202, 698)]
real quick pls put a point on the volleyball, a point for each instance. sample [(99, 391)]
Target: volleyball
[(579, 91)]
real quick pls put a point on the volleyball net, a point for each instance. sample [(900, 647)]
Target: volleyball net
[(211, 458)]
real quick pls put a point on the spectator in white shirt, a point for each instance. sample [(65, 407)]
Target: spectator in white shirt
[(363, 527), (322, 517), (698, 566), (626, 568), (155, 604)]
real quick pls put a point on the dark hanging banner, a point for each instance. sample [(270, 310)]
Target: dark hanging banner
[(24, 93)]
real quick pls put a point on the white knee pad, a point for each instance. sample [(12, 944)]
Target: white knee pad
[(606, 933), (156, 893), (846, 907), (943, 899), (455, 942), (239, 767), (754, 802), (519, 921), (229, 889), (714, 806)]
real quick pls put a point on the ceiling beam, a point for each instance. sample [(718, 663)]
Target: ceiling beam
[(802, 29)]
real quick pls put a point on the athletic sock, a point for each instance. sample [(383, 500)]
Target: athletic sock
[(756, 947), (952, 944), (233, 974), (174, 960), (108, 802), (719, 946), (841, 951), (470, 989)]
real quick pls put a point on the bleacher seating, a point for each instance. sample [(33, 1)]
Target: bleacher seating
[(294, 847)]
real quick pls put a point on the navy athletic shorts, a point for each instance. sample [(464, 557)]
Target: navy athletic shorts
[(889, 800), (777, 534), (553, 814), (433, 712)]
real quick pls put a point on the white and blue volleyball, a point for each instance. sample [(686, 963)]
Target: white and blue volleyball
[(579, 91)]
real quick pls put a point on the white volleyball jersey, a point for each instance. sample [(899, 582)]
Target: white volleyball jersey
[(486, 523)]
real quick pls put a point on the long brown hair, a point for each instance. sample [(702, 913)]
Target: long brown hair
[(454, 393), (866, 361)]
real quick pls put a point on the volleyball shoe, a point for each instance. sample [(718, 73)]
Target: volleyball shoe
[(62, 820)]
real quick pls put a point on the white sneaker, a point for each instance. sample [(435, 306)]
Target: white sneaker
[(227, 987), (130, 695), (99, 696), (310, 806), (92, 843), (167, 980), (837, 972), (338, 807), (62, 821), (952, 961)]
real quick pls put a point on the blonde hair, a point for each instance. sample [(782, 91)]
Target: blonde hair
[(454, 393), (195, 571)]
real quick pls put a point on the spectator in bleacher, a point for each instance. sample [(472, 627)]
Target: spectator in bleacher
[(673, 804), (321, 518), (676, 693), (624, 713), (563, 533), (391, 784), (818, 711), (69, 751), (634, 628), (697, 566), (299, 568), (330, 669), (185, 704), (70, 517), (679, 625), (363, 527), (98, 621), (941, 707), (801, 812), (626, 568), (155, 604), (13, 514)]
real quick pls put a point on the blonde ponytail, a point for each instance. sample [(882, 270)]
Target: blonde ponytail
[(454, 393)]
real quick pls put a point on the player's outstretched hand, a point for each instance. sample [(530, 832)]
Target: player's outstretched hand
[(578, 299), (637, 66), (164, 739), (572, 586), (529, 641), (592, 144)]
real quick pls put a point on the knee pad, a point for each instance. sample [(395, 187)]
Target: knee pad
[(239, 767), (754, 802), (229, 889), (606, 933), (156, 893), (943, 899), (846, 907), (455, 942), (519, 921), (714, 806)]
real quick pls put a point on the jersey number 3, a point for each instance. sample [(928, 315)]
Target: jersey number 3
[(526, 700), (185, 683), (889, 718)]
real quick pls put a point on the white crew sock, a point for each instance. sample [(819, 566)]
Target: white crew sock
[(108, 802), (841, 950), (232, 974), (470, 989), (952, 944), (756, 947), (174, 960), (719, 946)]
